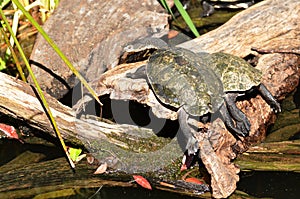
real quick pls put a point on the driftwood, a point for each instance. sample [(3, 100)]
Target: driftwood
[(281, 75), (92, 35), (242, 32), (122, 144), (119, 146), (59, 177)]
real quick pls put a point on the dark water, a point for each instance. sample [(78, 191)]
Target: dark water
[(260, 184), (270, 184), (133, 193)]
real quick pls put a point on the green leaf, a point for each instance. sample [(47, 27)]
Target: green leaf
[(183, 13), (74, 153), (186, 17)]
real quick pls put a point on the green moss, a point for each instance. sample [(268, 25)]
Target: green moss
[(141, 145)]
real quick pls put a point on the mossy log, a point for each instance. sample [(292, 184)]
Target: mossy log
[(274, 156), (127, 142), (55, 176)]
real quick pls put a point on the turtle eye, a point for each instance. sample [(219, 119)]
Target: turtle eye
[(209, 105)]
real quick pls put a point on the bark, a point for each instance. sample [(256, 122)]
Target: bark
[(128, 148), (268, 24), (91, 34), (55, 176)]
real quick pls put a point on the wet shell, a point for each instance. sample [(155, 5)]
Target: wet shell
[(180, 78), (236, 74)]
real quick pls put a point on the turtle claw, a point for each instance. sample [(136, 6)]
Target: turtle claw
[(188, 161), (236, 130), (239, 130), (269, 98), (244, 125), (275, 106), (244, 128), (242, 133)]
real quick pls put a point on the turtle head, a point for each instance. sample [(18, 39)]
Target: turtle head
[(145, 44), (141, 49)]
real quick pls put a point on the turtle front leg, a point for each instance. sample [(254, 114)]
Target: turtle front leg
[(265, 93), (242, 122), (192, 145), (227, 119)]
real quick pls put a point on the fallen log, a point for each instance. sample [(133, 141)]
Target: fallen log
[(131, 147), (274, 156), (55, 175)]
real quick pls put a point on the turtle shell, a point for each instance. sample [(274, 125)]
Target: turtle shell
[(179, 78), (235, 73)]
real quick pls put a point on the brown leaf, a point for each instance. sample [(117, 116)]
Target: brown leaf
[(101, 169), (142, 181)]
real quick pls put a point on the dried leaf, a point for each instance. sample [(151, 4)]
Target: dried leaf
[(101, 169), (194, 180), (142, 181), (9, 132), (90, 159), (167, 185), (80, 157)]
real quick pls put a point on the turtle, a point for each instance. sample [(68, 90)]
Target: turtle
[(238, 78), (180, 79)]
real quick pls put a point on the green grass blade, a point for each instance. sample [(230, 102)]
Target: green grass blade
[(19, 68), (167, 7), (57, 50), (186, 17), (39, 90)]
